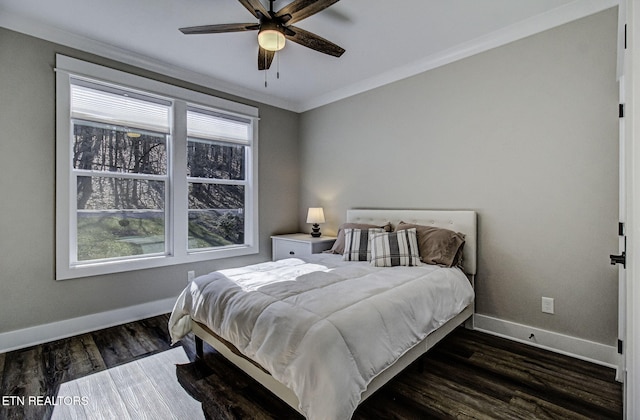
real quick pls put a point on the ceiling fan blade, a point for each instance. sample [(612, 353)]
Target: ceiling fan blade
[(265, 58), (217, 29), (256, 8), (313, 41), (301, 9)]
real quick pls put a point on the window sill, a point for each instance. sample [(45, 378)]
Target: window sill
[(102, 268)]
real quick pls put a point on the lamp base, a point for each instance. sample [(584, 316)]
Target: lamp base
[(315, 230)]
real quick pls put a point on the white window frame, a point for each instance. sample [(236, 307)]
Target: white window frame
[(177, 206)]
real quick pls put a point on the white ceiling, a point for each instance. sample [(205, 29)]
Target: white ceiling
[(384, 40)]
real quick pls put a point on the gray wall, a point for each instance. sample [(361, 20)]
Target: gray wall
[(29, 295), (525, 134)]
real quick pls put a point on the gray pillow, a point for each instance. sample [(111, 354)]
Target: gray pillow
[(437, 245)]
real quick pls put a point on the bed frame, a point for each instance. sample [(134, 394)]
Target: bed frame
[(463, 221)]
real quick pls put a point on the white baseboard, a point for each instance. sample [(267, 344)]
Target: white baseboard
[(559, 343), (571, 346), (18, 339)]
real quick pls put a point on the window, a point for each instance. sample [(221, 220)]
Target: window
[(120, 169), (149, 174), (217, 148)]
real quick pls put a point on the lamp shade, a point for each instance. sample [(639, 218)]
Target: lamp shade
[(315, 215)]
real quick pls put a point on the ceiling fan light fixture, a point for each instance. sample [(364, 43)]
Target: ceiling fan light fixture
[(275, 28), (271, 39)]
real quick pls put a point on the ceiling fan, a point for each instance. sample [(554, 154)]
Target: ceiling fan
[(276, 27)]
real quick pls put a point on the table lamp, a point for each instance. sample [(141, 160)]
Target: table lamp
[(315, 216)]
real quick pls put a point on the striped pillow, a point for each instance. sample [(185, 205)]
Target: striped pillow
[(396, 248), (357, 244)]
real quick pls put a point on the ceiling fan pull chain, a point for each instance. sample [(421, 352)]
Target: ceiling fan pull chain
[(266, 69), (277, 59)]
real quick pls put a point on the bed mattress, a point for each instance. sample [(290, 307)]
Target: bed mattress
[(321, 326)]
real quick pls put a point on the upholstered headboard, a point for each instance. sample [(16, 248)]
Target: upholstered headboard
[(463, 221)]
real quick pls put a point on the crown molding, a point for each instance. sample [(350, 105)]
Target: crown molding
[(551, 19), (26, 26)]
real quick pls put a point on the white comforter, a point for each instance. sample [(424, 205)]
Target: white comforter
[(324, 328)]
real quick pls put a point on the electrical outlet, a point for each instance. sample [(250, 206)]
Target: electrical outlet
[(190, 276), (547, 305)]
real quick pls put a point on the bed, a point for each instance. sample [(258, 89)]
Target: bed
[(320, 332)]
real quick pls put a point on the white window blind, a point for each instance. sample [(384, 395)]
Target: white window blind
[(210, 125), (119, 107)]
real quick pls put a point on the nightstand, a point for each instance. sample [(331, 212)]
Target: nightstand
[(299, 245)]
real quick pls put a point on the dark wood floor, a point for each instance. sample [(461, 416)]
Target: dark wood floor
[(469, 375)]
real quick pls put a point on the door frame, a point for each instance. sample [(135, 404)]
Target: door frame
[(622, 192), (629, 66)]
